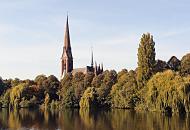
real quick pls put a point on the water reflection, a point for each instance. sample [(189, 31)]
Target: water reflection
[(90, 120)]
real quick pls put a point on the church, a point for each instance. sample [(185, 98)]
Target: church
[(67, 58)]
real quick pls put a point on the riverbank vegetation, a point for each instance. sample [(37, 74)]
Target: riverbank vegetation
[(155, 85)]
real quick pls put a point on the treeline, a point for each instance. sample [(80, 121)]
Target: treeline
[(155, 85)]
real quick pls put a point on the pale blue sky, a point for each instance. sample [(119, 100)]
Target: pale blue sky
[(31, 33)]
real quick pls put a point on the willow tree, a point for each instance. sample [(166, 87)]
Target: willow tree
[(146, 59)]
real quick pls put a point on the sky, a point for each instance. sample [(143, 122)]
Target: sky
[(32, 32)]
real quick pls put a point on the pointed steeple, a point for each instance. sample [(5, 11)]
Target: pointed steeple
[(99, 69), (92, 59), (67, 43), (67, 58), (102, 67)]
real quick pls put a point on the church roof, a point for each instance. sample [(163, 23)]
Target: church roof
[(76, 70)]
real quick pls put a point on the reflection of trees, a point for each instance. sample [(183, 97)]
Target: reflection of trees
[(4, 118), (69, 119), (95, 119), (75, 119), (87, 118), (122, 119), (13, 121)]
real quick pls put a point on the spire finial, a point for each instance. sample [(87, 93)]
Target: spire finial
[(67, 16), (67, 22)]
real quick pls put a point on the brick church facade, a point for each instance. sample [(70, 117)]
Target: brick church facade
[(67, 58)]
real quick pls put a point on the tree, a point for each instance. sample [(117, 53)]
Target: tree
[(146, 59), (2, 86), (121, 73), (15, 82), (88, 79), (97, 80), (103, 91), (66, 92), (123, 93), (168, 91), (78, 85), (51, 86), (185, 64), (16, 94), (39, 79), (46, 101), (69, 99), (66, 83), (89, 98)]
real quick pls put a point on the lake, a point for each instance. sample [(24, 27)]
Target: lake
[(76, 119)]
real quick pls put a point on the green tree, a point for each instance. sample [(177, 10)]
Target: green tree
[(78, 85), (97, 80), (88, 79), (15, 82), (123, 93), (40, 79), (69, 99), (146, 59), (103, 91), (51, 86), (185, 64), (2, 86), (66, 92), (5, 98)]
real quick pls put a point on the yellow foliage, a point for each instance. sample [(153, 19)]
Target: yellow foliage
[(16, 92), (168, 89)]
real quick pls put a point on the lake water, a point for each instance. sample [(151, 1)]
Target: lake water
[(90, 120)]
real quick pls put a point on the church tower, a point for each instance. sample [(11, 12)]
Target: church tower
[(67, 58)]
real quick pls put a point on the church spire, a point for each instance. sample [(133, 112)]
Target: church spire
[(92, 59), (67, 58), (67, 43), (102, 67)]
